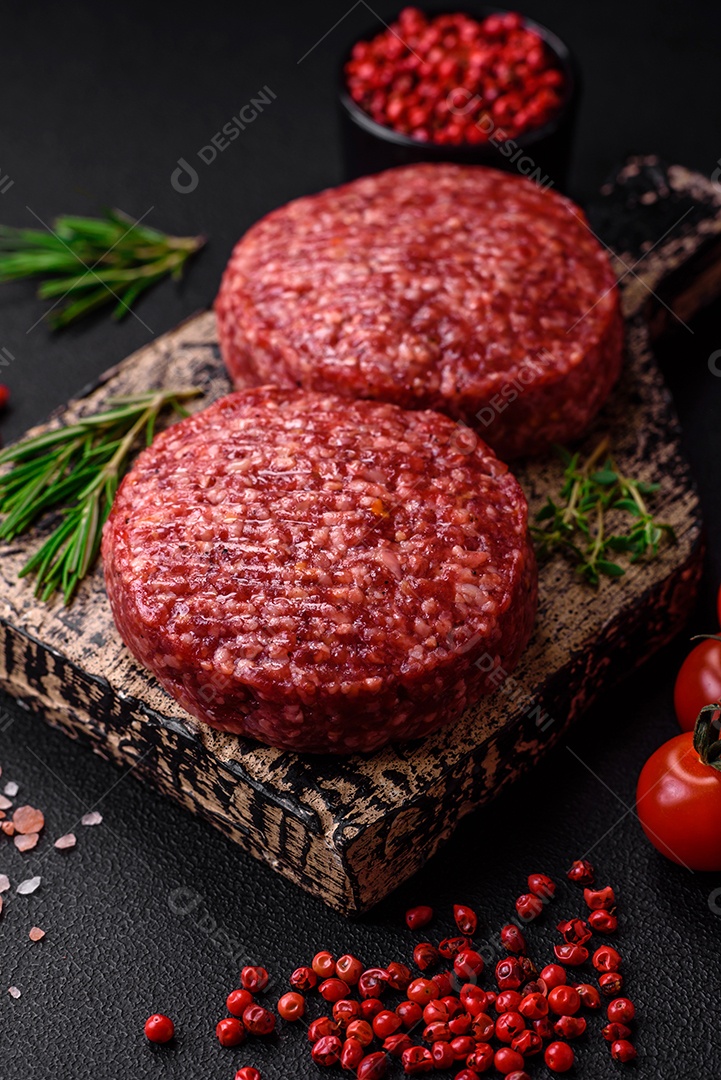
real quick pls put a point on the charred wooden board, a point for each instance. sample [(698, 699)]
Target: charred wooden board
[(350, 830)]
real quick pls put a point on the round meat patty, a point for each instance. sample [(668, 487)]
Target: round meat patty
[(455, 288), (319, 574)]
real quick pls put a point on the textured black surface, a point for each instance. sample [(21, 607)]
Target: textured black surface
[(100, 104)]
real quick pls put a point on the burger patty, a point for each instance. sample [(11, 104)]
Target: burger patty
[(457, 288), (321, 574)]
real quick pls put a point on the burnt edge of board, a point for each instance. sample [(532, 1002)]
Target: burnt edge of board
[(349, 864)]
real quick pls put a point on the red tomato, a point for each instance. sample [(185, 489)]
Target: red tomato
[(698, 682), (719, 605), (678, 801)]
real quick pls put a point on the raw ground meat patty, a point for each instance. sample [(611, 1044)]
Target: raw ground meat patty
[(319, 574), (456, 288)]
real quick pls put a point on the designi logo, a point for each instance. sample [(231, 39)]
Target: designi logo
[(185, 178)]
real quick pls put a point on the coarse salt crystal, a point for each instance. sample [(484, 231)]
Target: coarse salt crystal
[(29, 886), (5, 804), (11, 789), (14, 992), (36, 934), (4, 883), (27, 819), (26, 841), (64, 843), (93, 818)]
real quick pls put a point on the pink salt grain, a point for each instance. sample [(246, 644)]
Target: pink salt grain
[(27, 819), (36, 934), (26, 841), (64, 843)]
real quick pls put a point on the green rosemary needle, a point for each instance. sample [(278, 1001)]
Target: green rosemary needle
[(576, 523), (74, 472), (90, 262)]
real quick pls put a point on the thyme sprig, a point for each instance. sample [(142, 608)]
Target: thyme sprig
[(576, 523), (93, 262), (74, 471)]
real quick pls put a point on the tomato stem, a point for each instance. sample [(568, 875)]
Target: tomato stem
[(705, 735)]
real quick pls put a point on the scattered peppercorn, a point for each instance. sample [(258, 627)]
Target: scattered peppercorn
[(230, 1032), (527, 1043), (529, 906), (508, 1001), (303, 979), (396, 1044), (571, 955), (418, 917), (559, 1057), (509, 974), (417, 1060), (622, 1050), (258, 1021), (531, 1009), (468, 964), (603, 922), (553, 975), (570, 1027), (507, 1060), (589, 995), (621, 1011), (327, 1051), (615, 1031), (373, 1067), (254, 979), (466, 919), (291, 1007), (542, 885), (564, 1000), (238, 1001), (360, 1030), (600, 898), (323, 964), (533, 1006), (324, 1026), (574, 931), (426, 956), (450, 947), (159, 1029), (606, 959), (398, 976), (349, 969), (512, 939), (611, 983), (582, 872), (346, 1010), (333, 989)]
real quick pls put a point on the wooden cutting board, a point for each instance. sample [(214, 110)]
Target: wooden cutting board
[(350, 830)]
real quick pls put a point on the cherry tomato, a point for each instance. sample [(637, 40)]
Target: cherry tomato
[(698, 682), (678, 800)]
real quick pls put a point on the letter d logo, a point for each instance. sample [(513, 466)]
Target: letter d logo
[(184, 179)]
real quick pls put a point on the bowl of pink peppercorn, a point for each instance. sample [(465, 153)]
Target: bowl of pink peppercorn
[(485, 88)]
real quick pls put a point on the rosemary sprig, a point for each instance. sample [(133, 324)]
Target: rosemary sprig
[(75, 471), (93, 262), (576, 523)]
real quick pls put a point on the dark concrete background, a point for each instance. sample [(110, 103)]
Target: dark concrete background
[(99, 104)]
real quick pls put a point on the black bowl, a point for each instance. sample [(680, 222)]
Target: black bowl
[(543, 154)]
